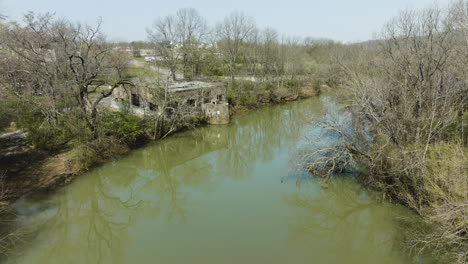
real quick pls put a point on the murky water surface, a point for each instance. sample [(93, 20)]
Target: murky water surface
[(218, 194)]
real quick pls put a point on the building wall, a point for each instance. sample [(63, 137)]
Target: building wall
[(217, 114), (210, 100)]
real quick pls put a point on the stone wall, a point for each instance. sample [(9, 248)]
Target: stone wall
[(217, 114)]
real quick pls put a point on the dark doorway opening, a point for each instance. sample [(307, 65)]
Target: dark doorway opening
[(135, 100)]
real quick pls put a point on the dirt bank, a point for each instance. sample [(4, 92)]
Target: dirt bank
[(24, 169)]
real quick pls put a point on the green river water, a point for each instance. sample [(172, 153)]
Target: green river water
[(216, 194)]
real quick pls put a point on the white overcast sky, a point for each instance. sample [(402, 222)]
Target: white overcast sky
[(343, 20)]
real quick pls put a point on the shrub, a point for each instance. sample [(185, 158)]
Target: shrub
[(41, 133), (96, 151), (47, 137), (293, 84), (269, 86), (231, 94), (125, 127), (248, 100)]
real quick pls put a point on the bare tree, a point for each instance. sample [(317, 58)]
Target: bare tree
[(178, 38), (28, 64), (407, 104), (164, 35), (458, 20), (193, 32), (294, 62), (407, 123), (59, 59), (232, 34), (270, 53), (253, 54)]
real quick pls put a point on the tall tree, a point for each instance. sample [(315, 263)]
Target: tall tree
[(193, 31), (165, 36), (232, 34), (178, 39)]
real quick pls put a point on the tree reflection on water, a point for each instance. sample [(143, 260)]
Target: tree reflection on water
[(345, 218), (99, 216)]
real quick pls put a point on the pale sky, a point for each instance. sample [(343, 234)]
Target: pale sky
[(342, 20)]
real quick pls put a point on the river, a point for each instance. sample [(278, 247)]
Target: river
[(216, 194)]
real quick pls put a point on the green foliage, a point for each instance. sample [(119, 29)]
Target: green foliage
[(241, 93), (231, 95), (126, 127), (269, 86), (293, 84), (148, 124), (248, 100), (71, 129), (246, 86), (211, 65), (41, 132), (47, 137)]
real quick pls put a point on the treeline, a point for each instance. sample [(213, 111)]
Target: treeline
[(408, 96), (235, 47), (262, 64)]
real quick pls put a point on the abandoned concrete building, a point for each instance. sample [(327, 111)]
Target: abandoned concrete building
[(200, 97)]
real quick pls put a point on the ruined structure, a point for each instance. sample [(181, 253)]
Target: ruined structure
[(217, 113), (199, 97)]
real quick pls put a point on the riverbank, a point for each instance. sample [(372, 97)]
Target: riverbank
[(427, 177), (42, 171), (303, 93), (150, 205)]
